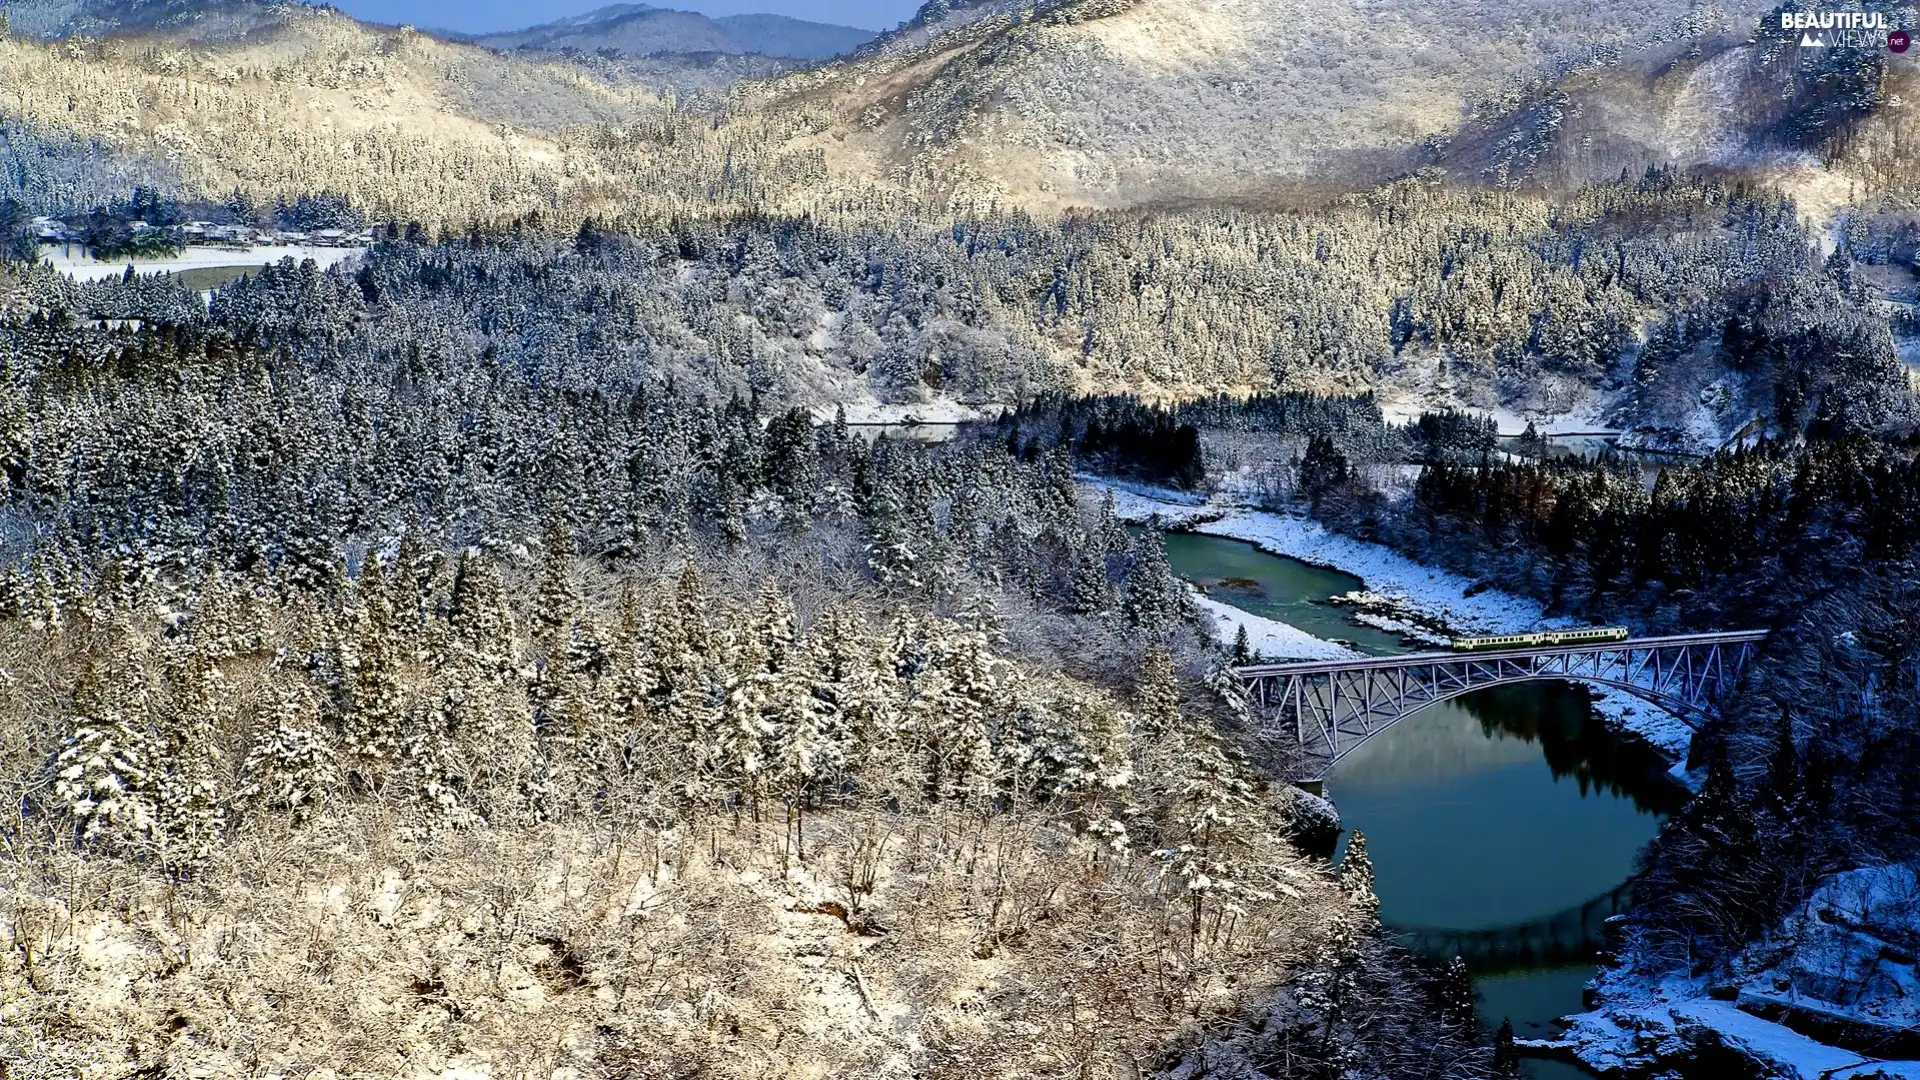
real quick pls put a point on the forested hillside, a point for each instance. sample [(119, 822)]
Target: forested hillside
[(1685, 308), (641, 30), (1072, 105), (745, 723)]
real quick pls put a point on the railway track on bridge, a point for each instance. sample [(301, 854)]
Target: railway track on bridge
[(1334, 706)]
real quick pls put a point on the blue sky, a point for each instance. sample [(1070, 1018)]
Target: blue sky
[(484, 15)]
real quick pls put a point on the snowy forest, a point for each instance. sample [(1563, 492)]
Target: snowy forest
[(541, 557), (437, 705), (1443, 296), (499, 655)]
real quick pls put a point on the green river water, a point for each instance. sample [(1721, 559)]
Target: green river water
[(1500, 824)]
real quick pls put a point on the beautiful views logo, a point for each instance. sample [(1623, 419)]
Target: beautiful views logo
[(1841, 29)]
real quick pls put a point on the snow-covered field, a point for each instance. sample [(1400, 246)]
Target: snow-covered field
[(939, 410), (1582, 416), (73, 260), (1646, 1023), (1435, 596)]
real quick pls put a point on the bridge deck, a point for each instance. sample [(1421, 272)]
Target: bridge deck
[(1378, 663)]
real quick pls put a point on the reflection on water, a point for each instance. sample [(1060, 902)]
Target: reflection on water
[(1512, 815), (1502, 824), (1471, 826), (1530, 996), (1557, 718)]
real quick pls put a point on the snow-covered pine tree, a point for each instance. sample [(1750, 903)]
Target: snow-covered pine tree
[(1232, 694), (975, 691), (1114, 538), (374, 690), (1456, 994), (1356, 877), (1155, 598), (482, 625), (1158, 690), (489, 717), (556, 603), (1091, 589), (893, 549), (855, 681), (1061, 740), (630, 686), (1211, 816), (108, 774), (214, 615), (806, 734), (427, 769), (190, 803), (409, 585), (292, 764), (741, 756), (1331, 988), (690, 647)]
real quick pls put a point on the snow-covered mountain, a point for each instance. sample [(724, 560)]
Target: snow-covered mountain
[(1071, 103), (631, 30), (644, 30), (194, 20), (1131, 102)]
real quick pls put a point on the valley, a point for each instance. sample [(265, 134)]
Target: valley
[(630, 543), (1484, 818)]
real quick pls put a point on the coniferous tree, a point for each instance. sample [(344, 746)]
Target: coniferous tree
[(1506, 1056), (108, 773), (190, 803), (373, 689), (1242, 651), (1356, 876), (1158, 690), (292, 764), (1154, 597), (1091, 588), (1457, 994)]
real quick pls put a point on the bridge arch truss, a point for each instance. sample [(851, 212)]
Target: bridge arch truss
[(1333, 706)]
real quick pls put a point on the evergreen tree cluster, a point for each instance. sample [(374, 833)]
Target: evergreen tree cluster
[(440, 687), (304, 557), (1505, 293), (135, 455), (1122, 435), (859, 749), (1701, 545)]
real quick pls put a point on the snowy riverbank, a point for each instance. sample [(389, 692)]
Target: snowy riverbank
[(1423, 594), (1269, 639), (1853, 941), (1842, 962)]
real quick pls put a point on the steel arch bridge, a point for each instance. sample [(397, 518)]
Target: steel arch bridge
[(1335, 705)]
